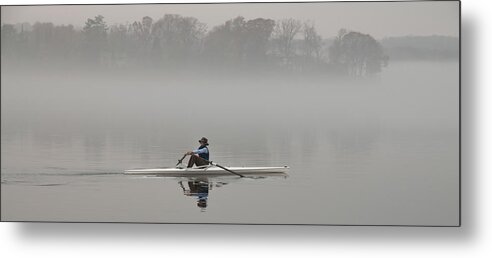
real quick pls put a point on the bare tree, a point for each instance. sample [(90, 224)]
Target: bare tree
[(360, 54), (118, 41), (335, 50), (140, 40), (9, 41), (238, 41), (146, 25), (225, 42), (177, 37), (95, 38), (258, 32), (313, 43), (42, 35), (284, 33)]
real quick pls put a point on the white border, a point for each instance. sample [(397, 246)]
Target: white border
[(473, 239)]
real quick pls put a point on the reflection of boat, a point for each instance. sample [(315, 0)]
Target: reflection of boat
[(207, 171)]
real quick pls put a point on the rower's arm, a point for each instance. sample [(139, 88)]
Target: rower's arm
[(200, 151)]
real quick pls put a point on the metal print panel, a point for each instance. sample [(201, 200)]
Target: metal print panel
[(320, 113)]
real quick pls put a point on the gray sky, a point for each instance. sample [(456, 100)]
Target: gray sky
[(378, 19)]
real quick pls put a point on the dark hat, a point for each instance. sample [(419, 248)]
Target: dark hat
[(203, 140), (202, 203)]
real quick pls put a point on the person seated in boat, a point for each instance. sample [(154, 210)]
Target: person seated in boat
[(200, 156)]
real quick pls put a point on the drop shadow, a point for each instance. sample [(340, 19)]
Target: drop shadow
[(469, 124), (311, 234)]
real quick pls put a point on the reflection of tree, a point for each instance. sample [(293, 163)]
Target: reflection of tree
[(355, 135), (360, 54)]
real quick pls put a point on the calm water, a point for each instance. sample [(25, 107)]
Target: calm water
[(383, 151)]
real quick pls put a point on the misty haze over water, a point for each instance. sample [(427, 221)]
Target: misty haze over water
[(369, 127)]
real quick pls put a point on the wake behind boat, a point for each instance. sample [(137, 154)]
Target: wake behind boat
[(207, 171)]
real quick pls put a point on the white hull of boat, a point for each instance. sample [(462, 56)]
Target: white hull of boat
[(207, 171)]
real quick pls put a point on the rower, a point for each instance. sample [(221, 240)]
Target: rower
[(203, 154)]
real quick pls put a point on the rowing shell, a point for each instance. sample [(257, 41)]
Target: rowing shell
[(208, 171)]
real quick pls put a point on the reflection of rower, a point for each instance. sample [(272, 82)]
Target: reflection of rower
[(198, 188)]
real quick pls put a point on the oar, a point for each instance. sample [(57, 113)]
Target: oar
[(217, 165), (226, 169), (181, 160)]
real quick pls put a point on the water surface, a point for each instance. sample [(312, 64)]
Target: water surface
[(382, 151)]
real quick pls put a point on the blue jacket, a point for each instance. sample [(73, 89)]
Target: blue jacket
[(203, 152)]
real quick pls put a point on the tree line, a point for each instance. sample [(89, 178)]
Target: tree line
[(430, 48), (177, 42)]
